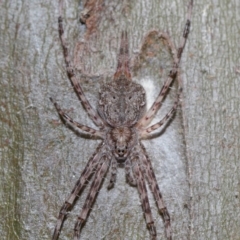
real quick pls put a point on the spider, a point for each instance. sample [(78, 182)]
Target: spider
[(122, 122)]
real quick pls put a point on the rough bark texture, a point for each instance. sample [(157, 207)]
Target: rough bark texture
[(196, 158)]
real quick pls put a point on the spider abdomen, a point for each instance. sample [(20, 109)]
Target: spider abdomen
[(122, 102)]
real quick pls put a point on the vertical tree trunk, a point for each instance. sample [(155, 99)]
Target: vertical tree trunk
[(195, 158)]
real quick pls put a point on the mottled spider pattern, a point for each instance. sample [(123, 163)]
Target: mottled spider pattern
[(122, 122)]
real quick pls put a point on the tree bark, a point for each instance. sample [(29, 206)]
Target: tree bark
[(195, 158)]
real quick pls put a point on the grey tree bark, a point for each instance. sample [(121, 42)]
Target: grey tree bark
[(195, 157)]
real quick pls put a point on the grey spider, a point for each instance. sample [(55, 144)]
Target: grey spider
[(122, 121)]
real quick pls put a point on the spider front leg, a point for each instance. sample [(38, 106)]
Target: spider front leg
[(95, 186), (86, 174), (71, 75), (138, 175), (153, 185)]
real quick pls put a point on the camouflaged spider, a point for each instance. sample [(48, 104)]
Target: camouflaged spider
[(122, 122)]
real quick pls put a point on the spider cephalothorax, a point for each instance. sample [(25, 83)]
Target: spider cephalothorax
[(122, 139), (123, 121)]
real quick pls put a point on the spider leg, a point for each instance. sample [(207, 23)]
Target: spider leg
[(145, 132), (98, 178), (137, 171), (147, 118), (113, 174), (185, 31), (70, 121), (123, 59), (86, 174), (153, 185), (128, 170), (71, 75), (177, 54)]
